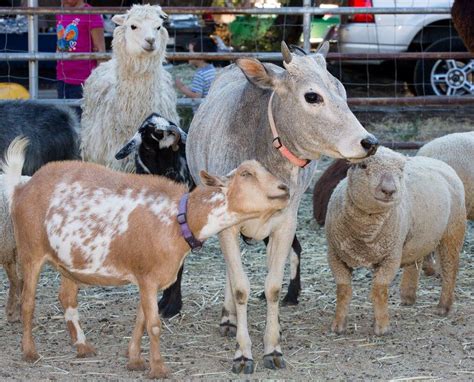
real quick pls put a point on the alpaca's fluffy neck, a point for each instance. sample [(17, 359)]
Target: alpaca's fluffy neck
[(139, 68)]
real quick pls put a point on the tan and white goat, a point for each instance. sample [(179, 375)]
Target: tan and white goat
[(101, 227)]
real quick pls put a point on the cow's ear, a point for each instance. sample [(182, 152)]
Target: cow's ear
[(257, 73)]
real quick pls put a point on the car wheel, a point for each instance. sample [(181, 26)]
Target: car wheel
[(445, 77)]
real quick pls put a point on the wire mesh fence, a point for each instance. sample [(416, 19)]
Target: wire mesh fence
[(392, 53)]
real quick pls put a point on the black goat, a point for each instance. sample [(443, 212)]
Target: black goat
[(50, 129), (160, 149)]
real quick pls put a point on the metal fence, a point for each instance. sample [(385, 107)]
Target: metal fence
[(33, 56)]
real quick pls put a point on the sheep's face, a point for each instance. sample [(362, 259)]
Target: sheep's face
[(144, 30), (251, 190), (377, 182)]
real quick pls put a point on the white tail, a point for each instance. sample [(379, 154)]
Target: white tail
[(13, 164)]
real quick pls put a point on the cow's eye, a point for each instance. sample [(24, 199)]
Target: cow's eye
[(312, 97)]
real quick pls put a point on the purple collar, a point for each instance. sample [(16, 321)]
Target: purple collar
[(194, 243)]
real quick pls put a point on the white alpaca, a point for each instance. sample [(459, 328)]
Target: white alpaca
[(122, 92)]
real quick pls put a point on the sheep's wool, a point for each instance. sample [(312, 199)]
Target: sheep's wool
[(121, 93)]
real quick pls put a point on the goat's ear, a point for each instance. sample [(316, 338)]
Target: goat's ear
[(119, 19), (130, 146), (212, 180), (257, 73)]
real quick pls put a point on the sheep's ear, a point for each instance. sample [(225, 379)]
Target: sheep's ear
[(130, 146), (257, 73), (119, 19), (212, 180)]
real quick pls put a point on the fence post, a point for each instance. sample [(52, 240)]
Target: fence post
[(33, 48), (307, 26)]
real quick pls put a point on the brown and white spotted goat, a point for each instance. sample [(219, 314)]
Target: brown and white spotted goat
[(101, 227)]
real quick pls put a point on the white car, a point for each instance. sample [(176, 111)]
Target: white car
[(393, 33)]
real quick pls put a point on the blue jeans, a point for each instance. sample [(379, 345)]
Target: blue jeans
[(69, 91)]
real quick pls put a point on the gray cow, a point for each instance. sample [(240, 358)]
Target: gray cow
[(310, 113)]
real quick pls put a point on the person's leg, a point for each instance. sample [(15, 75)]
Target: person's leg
[(74, 92), (60, 87)]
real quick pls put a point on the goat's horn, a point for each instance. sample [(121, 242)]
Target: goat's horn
[(286, 53)]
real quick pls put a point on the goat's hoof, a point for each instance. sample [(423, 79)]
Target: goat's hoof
[(158, 371), (443, 310), (338, 326), (228, 329), (243, 364), (85, 350), (30, 356), (381, 329), (13, 317), (408, 300), (274, 361), (290, 300), (429, 271), (136, 364), (168, 308)]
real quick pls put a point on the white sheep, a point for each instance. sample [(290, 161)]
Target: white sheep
[(457, 150), (121, 93), (390, 212), (8, 255)]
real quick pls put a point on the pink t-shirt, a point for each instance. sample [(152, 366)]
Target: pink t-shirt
[(74, 35)]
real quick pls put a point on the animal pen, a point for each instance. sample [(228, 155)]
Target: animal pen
[(382, 104), (421, 346)]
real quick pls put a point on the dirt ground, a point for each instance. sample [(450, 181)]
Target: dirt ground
[(421, 345)]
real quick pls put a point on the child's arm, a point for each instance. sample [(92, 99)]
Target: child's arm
[(98, 40), (185, 90)]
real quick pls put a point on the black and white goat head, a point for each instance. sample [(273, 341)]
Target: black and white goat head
[(160, 149)]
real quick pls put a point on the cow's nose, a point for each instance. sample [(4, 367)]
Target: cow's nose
[(150, 40), (370, 144)]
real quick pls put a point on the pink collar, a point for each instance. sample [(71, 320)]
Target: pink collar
[(277, 141)]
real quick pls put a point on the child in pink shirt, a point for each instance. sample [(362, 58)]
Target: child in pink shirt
[(77, 33)]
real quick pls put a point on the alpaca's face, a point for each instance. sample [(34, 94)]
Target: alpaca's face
[(144, 35)]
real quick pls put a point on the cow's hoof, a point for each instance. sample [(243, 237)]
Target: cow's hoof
[(274, 360), (243, 364), (228, 329)]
